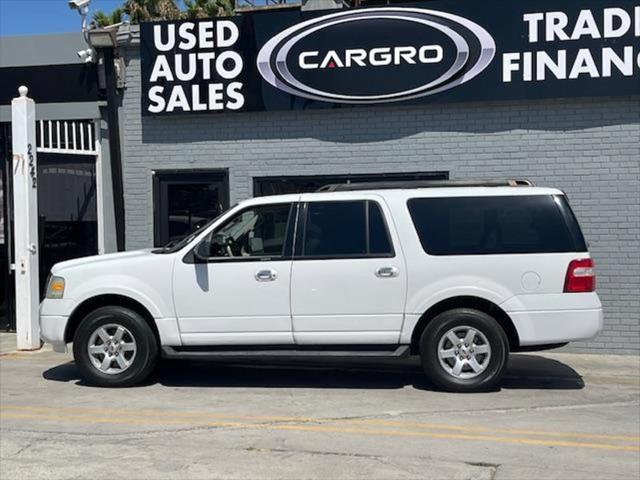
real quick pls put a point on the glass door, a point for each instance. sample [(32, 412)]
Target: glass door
[(185, 200)]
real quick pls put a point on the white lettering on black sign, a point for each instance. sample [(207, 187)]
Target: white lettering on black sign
[(438, 51), (565, 64), (196, 69)]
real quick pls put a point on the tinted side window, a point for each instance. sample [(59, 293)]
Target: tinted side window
[(335, 229), (495, 225), (379, 243), (345, 229)]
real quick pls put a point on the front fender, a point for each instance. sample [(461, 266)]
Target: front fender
[(159, 304)]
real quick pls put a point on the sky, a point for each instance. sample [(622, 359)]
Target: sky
[(28, 17)]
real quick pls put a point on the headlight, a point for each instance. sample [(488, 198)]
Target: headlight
[(55, 288)]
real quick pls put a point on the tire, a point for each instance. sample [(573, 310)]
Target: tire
[(122, 335), (489, 349)]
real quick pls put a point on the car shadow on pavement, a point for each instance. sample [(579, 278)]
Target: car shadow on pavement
[(524, 372), (540, 373)]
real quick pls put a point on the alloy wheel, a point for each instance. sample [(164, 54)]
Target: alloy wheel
[(112, 348), (464, 352)]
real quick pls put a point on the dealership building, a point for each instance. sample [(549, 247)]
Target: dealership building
[(288, 100)]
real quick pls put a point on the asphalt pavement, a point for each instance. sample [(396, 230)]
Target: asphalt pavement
[(556, 416)]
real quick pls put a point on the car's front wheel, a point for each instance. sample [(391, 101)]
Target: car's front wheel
[(464, 350), (114, 347)]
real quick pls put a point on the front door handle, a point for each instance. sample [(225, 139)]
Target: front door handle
[(266, 275), (386, 272)]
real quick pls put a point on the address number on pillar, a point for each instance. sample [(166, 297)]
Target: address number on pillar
[(20, 165), (33, 173)]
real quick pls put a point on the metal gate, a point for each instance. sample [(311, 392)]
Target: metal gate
[(79, 138)]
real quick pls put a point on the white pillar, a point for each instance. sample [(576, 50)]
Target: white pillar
[(25, 220)]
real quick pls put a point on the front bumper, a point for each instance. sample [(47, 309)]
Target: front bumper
[(52, 328)]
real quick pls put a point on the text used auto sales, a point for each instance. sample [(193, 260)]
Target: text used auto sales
[(218, 63), (608, 23)]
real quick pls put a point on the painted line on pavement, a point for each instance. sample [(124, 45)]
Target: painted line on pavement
[(271, 418), (171, 418), (545, 433), (374, 421)]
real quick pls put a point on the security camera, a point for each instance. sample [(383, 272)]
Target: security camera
[(78, 4), (86, 55)]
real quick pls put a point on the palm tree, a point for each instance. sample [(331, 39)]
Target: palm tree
[(150, 10), (101, 19), (208, 8)]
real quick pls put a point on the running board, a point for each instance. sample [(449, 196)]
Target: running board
[(278, 351)]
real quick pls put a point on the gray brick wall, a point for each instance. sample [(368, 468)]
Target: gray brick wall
[(588, 147)]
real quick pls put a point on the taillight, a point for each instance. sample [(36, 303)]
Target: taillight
[(581, 276)]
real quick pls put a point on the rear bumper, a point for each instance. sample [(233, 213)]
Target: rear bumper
[(555, 317), (52, 328), (557, 326)]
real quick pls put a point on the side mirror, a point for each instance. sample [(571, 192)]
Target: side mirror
[(200, 253), (211, 247), (207, 248)]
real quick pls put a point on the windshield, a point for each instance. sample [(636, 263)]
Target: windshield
[(175, 245)]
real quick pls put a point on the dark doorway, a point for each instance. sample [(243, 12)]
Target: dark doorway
[(67, 214), (303, 184), (186, 200), (67, 209), (7, 318)]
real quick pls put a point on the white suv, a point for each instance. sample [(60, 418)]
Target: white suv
[(460, 273)]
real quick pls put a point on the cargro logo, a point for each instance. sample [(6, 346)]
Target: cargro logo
[(376, 55)]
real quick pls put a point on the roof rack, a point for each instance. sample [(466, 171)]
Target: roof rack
[(386, 185)]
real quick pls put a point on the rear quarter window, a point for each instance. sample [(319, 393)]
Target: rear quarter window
[(496, 225)]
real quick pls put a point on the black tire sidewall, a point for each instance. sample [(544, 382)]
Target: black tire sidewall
[(438, 326), (146, 347)]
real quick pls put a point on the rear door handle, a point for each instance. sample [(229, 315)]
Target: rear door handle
[(386, 272), (266, 275)]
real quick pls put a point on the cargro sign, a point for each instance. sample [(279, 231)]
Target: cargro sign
[(438, 51)]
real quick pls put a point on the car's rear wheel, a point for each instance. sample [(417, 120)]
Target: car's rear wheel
[(464, 350), (114, 347)]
